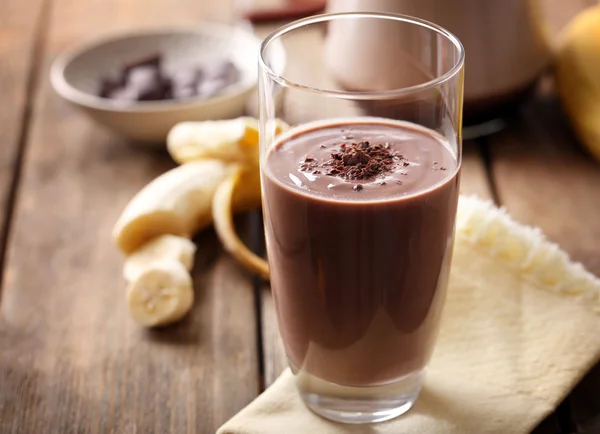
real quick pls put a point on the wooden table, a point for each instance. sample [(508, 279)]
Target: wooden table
[(71, 359)]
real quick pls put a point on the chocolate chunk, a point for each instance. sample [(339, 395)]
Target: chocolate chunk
[(143, 76), (357, 187), (187, 77), (108, 86), (148, 83), (153, 60)]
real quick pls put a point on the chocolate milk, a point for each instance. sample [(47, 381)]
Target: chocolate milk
[(359, 220), (505, 44)]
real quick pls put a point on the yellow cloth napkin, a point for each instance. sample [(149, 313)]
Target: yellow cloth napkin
[(520, 328)]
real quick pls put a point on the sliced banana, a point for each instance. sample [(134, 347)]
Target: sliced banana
[(159, 249), (161, 294), (223, 221), (232, 140), (177, 202)]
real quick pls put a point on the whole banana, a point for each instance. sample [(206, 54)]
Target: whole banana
[(577, 69)]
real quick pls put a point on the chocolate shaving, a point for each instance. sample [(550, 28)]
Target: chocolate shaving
[(357, 161), (361, 161)]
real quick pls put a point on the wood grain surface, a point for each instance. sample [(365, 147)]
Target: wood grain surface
[(72, 359), (21, 26)]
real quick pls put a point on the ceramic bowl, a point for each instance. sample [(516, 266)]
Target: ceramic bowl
[(76, 75)]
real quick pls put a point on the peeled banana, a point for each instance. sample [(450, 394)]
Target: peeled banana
[(233, 140), (177, 202), (219, 175), (577, 69), (160, 249), (161, 294)]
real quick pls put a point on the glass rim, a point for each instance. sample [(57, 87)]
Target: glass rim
[(362, 95)]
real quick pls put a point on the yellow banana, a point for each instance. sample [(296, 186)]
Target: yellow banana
[(220, 170), (160, 249), (232, 140), (577, 69), (225, 228), (177, 203), (161, 294)]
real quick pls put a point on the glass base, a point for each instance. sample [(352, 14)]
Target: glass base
[(359, 405)]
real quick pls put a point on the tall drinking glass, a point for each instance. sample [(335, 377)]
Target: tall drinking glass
[(360, 199)]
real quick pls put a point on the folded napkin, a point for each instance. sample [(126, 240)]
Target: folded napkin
[(521, 327)]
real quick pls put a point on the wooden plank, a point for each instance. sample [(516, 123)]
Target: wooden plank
[(544, 178), (474, 178), (21, 28), (72, 361)]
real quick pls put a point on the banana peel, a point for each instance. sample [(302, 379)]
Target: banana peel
[(577, 71), (223, 221), (219, 175)]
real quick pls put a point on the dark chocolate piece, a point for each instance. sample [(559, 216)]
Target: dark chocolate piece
[(144, 80)]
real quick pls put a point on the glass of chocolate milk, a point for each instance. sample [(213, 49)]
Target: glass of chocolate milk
[(360, 200)]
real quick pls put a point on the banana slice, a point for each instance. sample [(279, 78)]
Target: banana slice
[(162, 248), (223, 221), (233, 140), (177, 202), (161, 294)]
